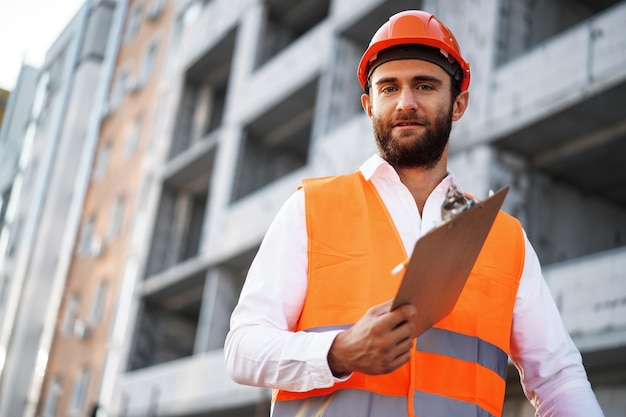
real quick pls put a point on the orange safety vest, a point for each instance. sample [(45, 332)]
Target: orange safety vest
[(458, 367)]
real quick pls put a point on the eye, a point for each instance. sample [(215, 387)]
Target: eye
[(424, 87), (388, 89)]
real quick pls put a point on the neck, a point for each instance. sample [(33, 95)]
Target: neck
[(422, 181)]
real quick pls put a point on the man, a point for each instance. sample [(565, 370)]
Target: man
[(314, 321)]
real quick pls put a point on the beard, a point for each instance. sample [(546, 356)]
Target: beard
[(414, 150)]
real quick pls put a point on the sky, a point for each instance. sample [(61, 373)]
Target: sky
[(27, 30)]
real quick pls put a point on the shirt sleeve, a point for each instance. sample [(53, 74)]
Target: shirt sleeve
[(262, 349), (550, 365)]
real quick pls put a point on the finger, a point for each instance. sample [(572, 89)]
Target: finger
[(404, 331), (399, 316), (408, 310), (401, 360)]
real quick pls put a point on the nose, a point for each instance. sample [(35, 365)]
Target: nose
[(406, 100)]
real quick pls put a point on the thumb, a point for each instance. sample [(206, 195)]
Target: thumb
[(380, 309)]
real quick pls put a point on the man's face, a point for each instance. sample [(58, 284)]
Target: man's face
[(412, 110)]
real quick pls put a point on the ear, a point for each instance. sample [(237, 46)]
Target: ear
[(366, 102), (460, 105)]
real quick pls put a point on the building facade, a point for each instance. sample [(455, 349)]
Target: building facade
[(265, 94), (83, 362), (15, 136), (13, 127), (45, 203), (186, 164)]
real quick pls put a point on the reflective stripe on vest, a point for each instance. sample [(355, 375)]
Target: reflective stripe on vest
[(467, 349), (438, 341), (344, 403), (463, 347), (357, 403), (458, 368), (454, 345), (433, 405)]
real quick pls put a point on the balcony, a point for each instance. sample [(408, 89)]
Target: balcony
[(562, 104), (189, 386), (591, 295)]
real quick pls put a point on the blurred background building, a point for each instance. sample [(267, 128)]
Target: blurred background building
[(143, 163), (46, 201), (4, 101)]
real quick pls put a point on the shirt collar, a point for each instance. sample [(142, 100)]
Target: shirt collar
[(376, 166)]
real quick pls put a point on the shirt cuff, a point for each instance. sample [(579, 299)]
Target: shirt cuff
[(319, 359)]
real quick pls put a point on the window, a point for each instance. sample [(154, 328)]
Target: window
[(134, 135), (4, 203), (525, 24), (71, 313), (4, 285), (43, 118), (80, 391), (276, 143), (158, 124), (52, 398), (133, 23), (86, 236), (286, 22), (203, 99), (117, 217), (56, 73), (118, 90), (97, 310), (149, 61), (139, 221), (40, 94), (217, 103), (174, 47), (14, 236), (156, 8), (102, 162)]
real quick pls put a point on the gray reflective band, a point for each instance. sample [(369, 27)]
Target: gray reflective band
[(467, 348), (433, 405), (344, 403), (328, 328)]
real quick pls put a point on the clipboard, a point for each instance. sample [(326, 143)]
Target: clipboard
[(442, 260)]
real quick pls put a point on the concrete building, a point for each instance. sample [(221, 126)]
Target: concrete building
[(45, 201), (13, 127), (264, 93), (165, 136), (84, 358), (16, 132)]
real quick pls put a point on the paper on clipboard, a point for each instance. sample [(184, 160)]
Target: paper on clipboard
[(442, 261)]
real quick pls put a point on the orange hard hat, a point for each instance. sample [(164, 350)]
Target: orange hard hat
[(415, 27)]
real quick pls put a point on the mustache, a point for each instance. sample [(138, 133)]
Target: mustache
[(409, 118)]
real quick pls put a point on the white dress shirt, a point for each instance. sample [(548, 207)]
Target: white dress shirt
[(263, 350)]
